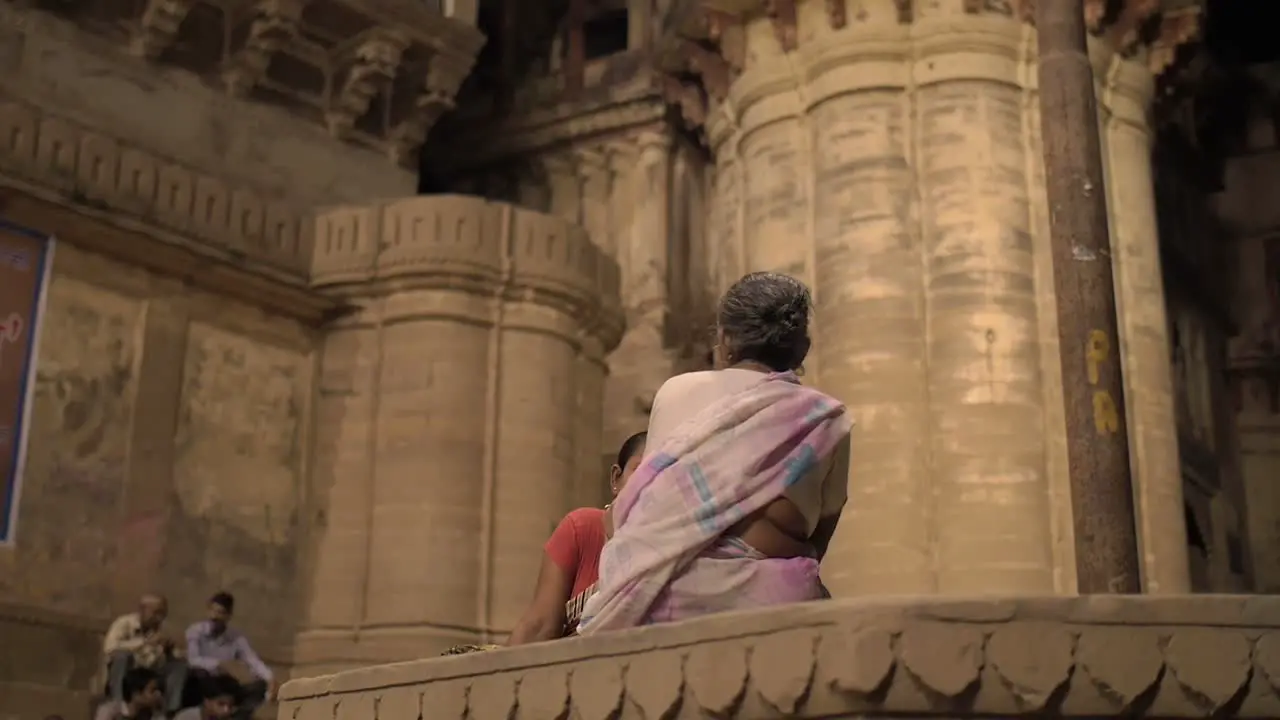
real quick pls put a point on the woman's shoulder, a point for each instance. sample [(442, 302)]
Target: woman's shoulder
[(730, 379), (686, 380)]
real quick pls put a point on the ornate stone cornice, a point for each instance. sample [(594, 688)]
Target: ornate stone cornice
[(153, 212), (1140, 656), (702, 50), (356, 62)]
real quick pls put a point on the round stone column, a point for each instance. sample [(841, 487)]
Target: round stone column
[(1127, 87), (983, 357), (891, 157), (456, 398)]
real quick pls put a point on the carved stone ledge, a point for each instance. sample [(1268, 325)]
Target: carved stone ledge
[(1166, 657), (153, 212), (377, 73)]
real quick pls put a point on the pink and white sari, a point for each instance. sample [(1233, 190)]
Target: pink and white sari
[(668, 558)]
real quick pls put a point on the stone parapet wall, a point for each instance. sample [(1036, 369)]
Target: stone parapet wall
[(1170, 657)]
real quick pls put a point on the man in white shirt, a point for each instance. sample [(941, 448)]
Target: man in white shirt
[(138, 640)]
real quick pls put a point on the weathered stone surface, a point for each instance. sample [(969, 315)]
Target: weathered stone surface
[(1026, 682), (107, 512), (448, 419)]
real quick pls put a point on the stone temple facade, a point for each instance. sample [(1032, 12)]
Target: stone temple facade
[(278, 357)]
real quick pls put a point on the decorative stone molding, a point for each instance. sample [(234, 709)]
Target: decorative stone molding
[(378, 73), (703, 50), (56, 157), (1169, 657), (276, 25), (621, 93), (467, 242)]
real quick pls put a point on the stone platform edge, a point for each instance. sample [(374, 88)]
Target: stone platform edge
[(1169, 657)]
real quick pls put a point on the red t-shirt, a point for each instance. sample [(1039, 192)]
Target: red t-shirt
[(576, 544)]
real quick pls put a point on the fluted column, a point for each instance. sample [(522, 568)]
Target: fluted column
[(983, 357), (723, 248), (639, 207), (1127, 87), (452, 407), (891, 157), (565, 184), (596, 180)]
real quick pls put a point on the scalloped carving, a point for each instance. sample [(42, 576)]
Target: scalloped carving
[(597, 689), (1122, 664), (1034, 659), (944, 657), (782, 668), (405, 703), (544, 693), (1213, 666), (857, 661), (492, 697), (655, 683), (1266, 656), (357, 706), (717, 675)]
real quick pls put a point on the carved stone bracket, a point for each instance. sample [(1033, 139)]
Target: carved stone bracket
[(783, 14), (159, 26), (275, 25), (1177, 28), (380, 73), (714, 70), (687, 96), (837, 15), (376, 59)]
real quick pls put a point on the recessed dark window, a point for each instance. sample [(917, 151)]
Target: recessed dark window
[(1235, 554), (605, 34)]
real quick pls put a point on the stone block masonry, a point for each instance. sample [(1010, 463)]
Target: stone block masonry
[(890, 157), (451, 406)]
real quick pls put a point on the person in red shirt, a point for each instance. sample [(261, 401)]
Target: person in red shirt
[(571, 560)]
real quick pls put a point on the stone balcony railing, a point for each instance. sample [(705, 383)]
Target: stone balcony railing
[(1165, 657)]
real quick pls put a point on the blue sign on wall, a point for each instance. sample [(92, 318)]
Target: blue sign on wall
[(25, 262)]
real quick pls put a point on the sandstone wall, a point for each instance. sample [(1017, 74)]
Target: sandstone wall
[(166, 452), (893, 161), (457, 419)]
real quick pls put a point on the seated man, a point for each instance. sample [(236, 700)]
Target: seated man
[(215, 648), (142, 698), (218, 696), (138, 639)]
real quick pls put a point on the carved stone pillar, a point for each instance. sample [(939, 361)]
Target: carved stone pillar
[(639, 206), (454, 399), (651, 232), (596, 180), (892, 160), (565, 184), (1126, 93)]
